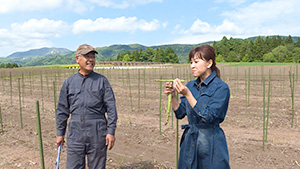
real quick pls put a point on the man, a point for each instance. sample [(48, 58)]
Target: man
[(86, 96)]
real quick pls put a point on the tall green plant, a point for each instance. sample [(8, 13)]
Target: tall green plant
[(297, 73), (10, 84), (177, 131), (20, 103), (42, 90), (283, 81), (236, 79), (54, 98), (1, 121), (160, 98), (264, 113), (23, 88), (40, 134), (144, 76), (246, 89), (129, 87), (30, 76), (268, 105), (292, 84), (47, 82), (123, 77), (3, 86), (262, 72), (139, 89)]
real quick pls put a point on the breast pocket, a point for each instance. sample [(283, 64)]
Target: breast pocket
[(96, 98), (206, 95), (73, 96)]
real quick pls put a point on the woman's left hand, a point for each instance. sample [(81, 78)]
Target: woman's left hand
[(179, 87)]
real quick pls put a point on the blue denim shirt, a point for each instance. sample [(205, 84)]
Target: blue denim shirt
[(203, 144)]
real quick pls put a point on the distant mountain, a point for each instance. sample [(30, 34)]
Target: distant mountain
[(35, 57), (111, 52), (52, 56), (40, 52)]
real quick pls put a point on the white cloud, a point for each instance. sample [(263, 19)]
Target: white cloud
[(277, 16), (79, 6), (8, 6), (199, 28), (194, 39), (121, 24), (122, 4), (229, 27), (43, 28), (232, 2), (31, 34), (273, 17), (10, 41)]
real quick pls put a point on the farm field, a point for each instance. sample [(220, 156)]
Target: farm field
[(139, 141)]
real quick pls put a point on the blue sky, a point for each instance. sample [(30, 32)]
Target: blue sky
[(32, 24)]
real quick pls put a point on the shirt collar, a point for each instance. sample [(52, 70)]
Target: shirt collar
[(207, 80)]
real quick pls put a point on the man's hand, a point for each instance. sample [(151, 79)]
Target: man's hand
[(110, 141), (60, 140)]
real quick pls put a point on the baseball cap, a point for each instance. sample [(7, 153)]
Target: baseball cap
[(85, 49)]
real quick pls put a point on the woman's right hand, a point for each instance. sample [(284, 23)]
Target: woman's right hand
[(169, 88)]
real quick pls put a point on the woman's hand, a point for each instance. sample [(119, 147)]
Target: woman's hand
[(169, 89), (179, 87)]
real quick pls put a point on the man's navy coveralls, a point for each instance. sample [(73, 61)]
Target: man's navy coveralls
[(86, 99)]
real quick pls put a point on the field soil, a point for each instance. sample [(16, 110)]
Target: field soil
[(139, 142)]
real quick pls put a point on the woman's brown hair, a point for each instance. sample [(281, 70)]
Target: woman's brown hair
[(205, 52)]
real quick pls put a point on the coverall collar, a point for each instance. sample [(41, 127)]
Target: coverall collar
[(81, 75)]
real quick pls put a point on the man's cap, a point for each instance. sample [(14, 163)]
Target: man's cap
[(85, 49)]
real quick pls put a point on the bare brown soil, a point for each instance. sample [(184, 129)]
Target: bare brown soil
[(139, 143)]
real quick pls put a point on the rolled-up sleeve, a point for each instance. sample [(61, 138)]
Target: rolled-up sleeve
[(110, 104), (216, 107), (62, 111)]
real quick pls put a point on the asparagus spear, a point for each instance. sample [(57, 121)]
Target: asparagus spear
[(169, 99)]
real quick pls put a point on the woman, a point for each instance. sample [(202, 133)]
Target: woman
[(205, 102)]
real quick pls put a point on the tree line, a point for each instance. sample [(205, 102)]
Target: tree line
[(9, 65), (262, 49), (256, 49), (167, 55)]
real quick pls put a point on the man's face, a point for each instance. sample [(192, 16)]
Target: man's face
[(86, 62)]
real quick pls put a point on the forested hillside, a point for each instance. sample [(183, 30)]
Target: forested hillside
[(167, 55), (258, 49), (254, 49)]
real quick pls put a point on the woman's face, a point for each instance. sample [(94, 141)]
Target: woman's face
[(200, 68)]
